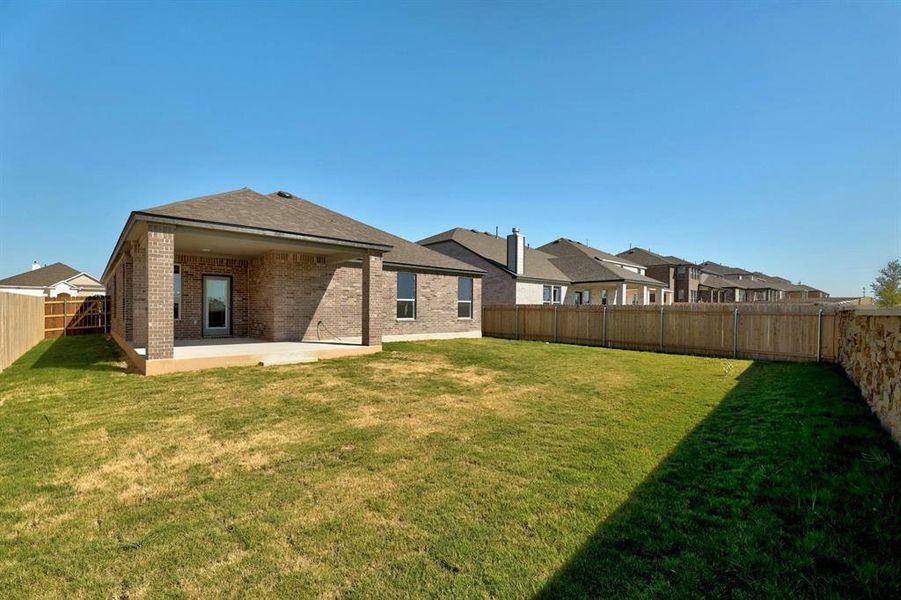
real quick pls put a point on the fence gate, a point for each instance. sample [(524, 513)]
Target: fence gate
[(76, 316)]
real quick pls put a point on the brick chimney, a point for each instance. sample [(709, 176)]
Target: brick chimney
[(516, 249)]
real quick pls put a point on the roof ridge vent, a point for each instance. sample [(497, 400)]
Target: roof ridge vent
[(284, 194)]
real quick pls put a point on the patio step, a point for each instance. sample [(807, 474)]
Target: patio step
[(287, 359)]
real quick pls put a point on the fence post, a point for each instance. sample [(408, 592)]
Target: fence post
[(819, 334), (65, 316), (604, 328), (661, 328), (516, 317), (555, 323), (735, 334)]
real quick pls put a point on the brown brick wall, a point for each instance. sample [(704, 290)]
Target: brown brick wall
[(160, 254), (498, 287), (278, 296), (139, 294), (436, 306), (193, 268), (372, 298), (295, 296)]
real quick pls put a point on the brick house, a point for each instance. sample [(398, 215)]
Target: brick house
[(247, 267), (514, 273), (682, 276), (561, 272)]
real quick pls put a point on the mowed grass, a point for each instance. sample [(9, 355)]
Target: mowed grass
[(468, 468)]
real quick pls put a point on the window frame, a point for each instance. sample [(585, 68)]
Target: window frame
[(556, 294), (176, 290), (469, 302), (398, 299)]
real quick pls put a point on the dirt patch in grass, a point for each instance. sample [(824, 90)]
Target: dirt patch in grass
[(147, 465), (401, 365)]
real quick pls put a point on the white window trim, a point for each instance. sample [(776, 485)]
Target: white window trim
[(399, 299), (553, 288), (469, 302)]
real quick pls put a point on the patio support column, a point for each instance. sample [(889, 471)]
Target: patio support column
[(645, 295), (160, 252), (138, 283), (621, 294), (660, 295), (372, 300)]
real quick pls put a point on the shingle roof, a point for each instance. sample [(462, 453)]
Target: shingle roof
[(43, 277), (536, 264), (585, 264), (274, 212), (647, 258), (715, 281), (718, 269)]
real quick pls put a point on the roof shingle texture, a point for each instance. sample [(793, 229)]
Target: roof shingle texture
[(248, 208), (536, 264), (647, 258), (585, 264), (41, 277)]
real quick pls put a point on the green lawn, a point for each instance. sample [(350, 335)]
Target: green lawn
[(468, 468)]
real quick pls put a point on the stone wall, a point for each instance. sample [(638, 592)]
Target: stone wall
[(870, 352)]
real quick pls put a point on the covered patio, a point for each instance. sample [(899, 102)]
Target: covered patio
[(215, 296), (620, 293)]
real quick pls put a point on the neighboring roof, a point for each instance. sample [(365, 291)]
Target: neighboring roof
[(584, 264), (650, 259), (721, 270), (717, 282), (536, 264), (43, 277), (275, 212)]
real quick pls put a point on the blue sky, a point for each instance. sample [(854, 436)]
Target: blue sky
[(764, 135)]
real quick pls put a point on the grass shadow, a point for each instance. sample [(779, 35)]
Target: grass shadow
[(82, 353), (790, 487)]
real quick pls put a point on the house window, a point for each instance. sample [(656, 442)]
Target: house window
[(176, 284), (681, 270), (652, 297), (464, 297), (681, 296), (552, 294), (695, 273), (583, 297), (693, 295), (604, 297), (406, 295)]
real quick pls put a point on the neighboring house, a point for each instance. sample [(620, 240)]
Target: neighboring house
[(562, 272), (713, 288), (601, 278), (278, 268), (760, 287), (682, 276), (514, 273), (52, 281)]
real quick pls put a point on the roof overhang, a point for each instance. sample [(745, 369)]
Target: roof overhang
[(272, 234)]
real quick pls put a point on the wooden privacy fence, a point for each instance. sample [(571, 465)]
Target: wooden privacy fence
[(76, 316), (21, 325), (765, 331)]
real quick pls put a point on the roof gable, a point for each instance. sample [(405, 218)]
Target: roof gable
[(537, 264), (43, 277), (284, 212)]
